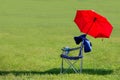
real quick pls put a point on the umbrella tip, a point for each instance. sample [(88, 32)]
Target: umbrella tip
[(92, 10)]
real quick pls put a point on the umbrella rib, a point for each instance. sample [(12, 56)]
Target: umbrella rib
[(93, 21), (83, 20)]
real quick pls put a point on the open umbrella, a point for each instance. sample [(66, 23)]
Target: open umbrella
[(92, 23)]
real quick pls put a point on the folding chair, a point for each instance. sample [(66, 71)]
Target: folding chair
[(71, 60)]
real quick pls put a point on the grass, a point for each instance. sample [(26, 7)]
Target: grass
[(32, 33)]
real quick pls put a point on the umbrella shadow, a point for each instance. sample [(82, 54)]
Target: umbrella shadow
[(57, 71), (97, 71)]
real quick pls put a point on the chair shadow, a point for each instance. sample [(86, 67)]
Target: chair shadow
[(57, 71)]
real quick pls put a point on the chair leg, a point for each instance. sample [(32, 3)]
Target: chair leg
[(81, 65), (72, 66), (61, 71)]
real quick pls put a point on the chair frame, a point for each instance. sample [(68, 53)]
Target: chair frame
[(71, 64)]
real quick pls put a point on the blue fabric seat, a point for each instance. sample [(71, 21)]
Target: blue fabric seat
[(70, 57)]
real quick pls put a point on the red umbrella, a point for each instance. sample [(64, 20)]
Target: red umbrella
[(92, 23)]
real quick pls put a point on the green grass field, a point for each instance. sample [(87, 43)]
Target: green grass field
[(32, 33)]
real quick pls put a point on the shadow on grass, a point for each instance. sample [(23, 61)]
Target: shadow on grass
[(57, 71)]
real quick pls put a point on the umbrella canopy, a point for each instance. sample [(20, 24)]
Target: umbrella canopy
[(92, 23)]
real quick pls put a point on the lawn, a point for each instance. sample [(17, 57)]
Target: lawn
[(32, 33)]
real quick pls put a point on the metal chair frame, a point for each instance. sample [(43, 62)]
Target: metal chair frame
[(70, 63)]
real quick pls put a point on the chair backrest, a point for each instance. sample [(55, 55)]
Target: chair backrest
[(81, 49)]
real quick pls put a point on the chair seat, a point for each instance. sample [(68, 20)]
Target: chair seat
[(71, 57)]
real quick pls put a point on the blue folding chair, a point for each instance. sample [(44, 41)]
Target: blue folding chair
[(71, 60)]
